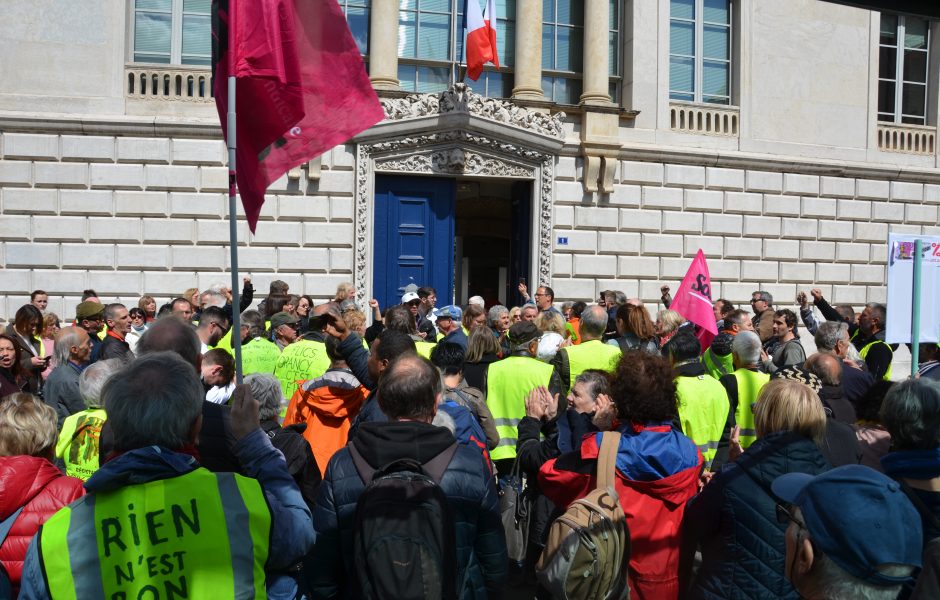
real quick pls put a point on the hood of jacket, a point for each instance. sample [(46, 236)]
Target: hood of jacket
[(22, 478), (778, 454), (338, 394), (140, 466), (382, 443)]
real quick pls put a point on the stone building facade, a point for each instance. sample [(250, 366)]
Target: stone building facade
[(112, 171)]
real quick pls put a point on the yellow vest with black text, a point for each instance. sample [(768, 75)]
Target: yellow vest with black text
[(716, 365), (750, 384), (864, 352), (594, 354), (78, 442), (703, 412), (508, 382), (199, 535), (300, 361)]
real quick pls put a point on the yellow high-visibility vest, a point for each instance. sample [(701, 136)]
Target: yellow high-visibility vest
[(703, 412), (750, 384), (508, 382)]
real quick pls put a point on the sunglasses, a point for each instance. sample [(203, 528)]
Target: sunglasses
[(414, 303)]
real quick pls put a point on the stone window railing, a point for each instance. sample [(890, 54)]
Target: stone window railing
[(909, 139), (185, 84), (704, 119)]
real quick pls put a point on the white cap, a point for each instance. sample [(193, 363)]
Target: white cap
[(478, 300), (408, 297)]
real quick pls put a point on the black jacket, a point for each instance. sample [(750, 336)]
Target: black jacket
[(475, 373), (300, 461), (111, 347), (481, 545), (733, 521)]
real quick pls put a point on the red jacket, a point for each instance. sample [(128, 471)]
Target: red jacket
[(657, 473), (39, 486)]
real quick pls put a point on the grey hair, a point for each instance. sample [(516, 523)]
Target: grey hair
[(878, 310), (214, 297), (566, 305), (746, 346), (64, 341), (111, 310), (829, 580), (253, 320), (765, 296), (266, 389), (830, 333), (911, 413), (154, 401), (593, 322), (91, 381), (595, 380), (495, 312)]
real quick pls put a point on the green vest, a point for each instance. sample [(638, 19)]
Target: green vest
[(299, 361), (424, 348), (703, 412), (78, 442), (718, 366), (259, 356), (508, 382), (750, 384), (199, 535), (225, 343), (594, 354), (864, 352)]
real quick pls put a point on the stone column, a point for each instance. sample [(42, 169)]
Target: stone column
[(528, 67), (596, 61), (383, 45)]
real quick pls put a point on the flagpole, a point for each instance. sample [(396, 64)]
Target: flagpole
[(915, 316), (232, 204)]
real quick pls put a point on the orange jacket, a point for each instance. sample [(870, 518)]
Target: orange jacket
[(327, 405)]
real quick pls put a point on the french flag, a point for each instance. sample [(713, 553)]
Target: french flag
[(481, 37)]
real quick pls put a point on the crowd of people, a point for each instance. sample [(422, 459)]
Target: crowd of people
[(429, 452)]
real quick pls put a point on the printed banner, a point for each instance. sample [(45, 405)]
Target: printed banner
[(901, 288)]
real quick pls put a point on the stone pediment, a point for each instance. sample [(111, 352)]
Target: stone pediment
[(456, 152)]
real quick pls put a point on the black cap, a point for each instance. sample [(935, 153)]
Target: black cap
[(523, 332)]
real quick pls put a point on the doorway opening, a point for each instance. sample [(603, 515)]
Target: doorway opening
[(492, 236)]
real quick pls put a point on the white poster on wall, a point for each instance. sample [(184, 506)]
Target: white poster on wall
[(901, 288)]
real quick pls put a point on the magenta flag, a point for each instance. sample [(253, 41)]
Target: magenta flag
[(693, 300), (301, 86)]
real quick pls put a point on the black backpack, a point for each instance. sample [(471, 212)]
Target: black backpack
[(404, 541)]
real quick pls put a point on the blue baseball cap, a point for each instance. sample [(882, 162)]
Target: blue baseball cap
[(450, 312), (859, 518)]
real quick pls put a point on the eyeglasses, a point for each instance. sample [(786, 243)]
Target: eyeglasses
[(754, 300), (414, 303), (784, 516)]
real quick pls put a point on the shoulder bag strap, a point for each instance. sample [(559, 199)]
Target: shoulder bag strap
[(607, 459), (437, 465), (364, 469), (7, 524)]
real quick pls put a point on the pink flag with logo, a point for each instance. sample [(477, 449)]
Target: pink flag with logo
[(693, 300), (300, 83)]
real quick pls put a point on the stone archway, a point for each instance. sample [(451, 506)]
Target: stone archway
[(458, 133)]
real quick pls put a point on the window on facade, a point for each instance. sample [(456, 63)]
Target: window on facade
[(562, 50), (613, 51), (902, 69), (700, 51), (430, 47), (357, 16), (177, 32)]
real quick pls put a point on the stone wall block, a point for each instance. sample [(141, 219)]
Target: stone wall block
[(762, 227), (873, 189), (641, 172), (683, 222), (570, 192), (31, 255), (328, 234), (60, 229), (868, 274), (564, 216), (932, 193), (304, 208), (114, 230), (848, 294), (744, 202), (796, 272), (595, 218), (704, 200), (140, 204), (685, 176), (125, 177), (920, 213), (17, 282), (88, 256), (662, 245), (800, 228), (657, 197), (14, 228), (26, 146), (213, 179), (907, 191), (565, 168), (642, 267), (818, 251), (618, 243), (852, 253), (742, 248), (61, 175), (199, 206), (199, 259), (341, 260), (835, 230), (724, 179), (341, 209), (887, 211), (143, 150), (169, 284), (801, 184), (56, 282), (854, 210), (111, 283), (818, 207), (210, 233), (145, 258), (562, 265), (879, 254), (906, 229), (625, 195), (30, 201), (198, 152), (780, 249), (833, 272), (339, 183), (578, 241), (321, 285), (640, 220), (723, 224), (712, 246), (278, 234), (764, 181), (871, 232), (785, 206), (759, 270), (165, 177), (837, 187), (595, 266), (722, 270), (86, 202), (169, 231), (343, 157), (15, 173), (87, 148)]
